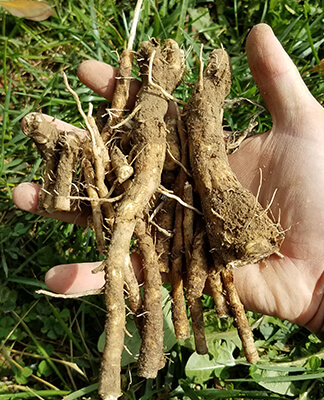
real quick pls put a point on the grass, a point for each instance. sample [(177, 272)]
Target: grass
[(50, 348)]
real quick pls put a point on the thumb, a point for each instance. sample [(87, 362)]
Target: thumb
[(276, 76), (78, 278)]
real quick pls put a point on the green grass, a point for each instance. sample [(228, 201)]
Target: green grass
[(49, 347)]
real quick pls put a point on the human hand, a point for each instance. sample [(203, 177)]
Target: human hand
[(291, 157)]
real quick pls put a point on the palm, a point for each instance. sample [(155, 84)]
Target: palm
[(291, 160)]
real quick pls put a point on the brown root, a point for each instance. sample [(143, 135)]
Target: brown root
[(239, 232), (151, 358), (179, 313), (122, 169), (121, 93), (218, 291), (188, 221), (198, 325), (97, 220), (197, 275), (133, 293), (240, 319), (64, 173), (109, 379), (165, 220), (46, 137)]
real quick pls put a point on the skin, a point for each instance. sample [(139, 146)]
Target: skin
[(291, 157)]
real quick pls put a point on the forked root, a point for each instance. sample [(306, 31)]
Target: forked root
[(238, 230), (150, 140)]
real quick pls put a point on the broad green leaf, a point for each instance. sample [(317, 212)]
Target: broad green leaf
[(212, 394), (286, 388), (22, 374), (202, 367), (44, 369), (314, 363), (202, 22), (30, 9)]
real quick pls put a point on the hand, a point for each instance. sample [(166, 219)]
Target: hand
[(291, 157)]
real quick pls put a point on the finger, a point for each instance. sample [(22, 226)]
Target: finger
[(25, 197), (101, 78), (76, 278), (278, 79)]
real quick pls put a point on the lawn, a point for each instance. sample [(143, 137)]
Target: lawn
[(50, 348)]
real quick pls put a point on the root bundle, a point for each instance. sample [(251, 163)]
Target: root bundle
[(167, 182)]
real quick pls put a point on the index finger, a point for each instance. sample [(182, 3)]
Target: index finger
[(101, 78)]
